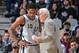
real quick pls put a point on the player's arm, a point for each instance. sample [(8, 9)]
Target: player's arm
[(19, 21)]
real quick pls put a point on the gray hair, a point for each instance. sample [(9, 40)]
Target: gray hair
[(44, 11)]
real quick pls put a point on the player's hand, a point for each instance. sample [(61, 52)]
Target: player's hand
[(22, 43), (13, 38), (15, 45)]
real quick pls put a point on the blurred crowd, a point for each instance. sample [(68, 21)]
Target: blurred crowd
[(65, 14)]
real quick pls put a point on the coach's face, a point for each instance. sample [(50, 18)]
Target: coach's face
[(42, 17)]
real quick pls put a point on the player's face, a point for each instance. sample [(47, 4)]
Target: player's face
[(32, 12)]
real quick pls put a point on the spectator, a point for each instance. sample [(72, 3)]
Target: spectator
[(77, 4), (66, 10), (23, 7), (22, 12), (7, 42), (73, 22), (32, 1), (9, 6), (25, 4), (41, 4), (54, 10), (74, 46), (16, 9), (0, 2), (66, 29), (20, 9), (65, 40), (19, 2), (58, 23), (75, 9), (77, 32), (1, 45)]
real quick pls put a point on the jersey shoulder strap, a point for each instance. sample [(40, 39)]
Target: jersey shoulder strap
[(24, 18), (21, 29)]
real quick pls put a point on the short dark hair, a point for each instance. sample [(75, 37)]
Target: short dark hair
[(74, 39), (67, 23), (66, 34), (6, 30), (32, 6)]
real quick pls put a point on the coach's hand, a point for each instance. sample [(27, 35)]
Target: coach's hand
[(36, 39)]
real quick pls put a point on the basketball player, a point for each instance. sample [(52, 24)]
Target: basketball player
[(30, 28)]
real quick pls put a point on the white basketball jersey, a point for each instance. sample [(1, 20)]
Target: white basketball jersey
[(30, 28)]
